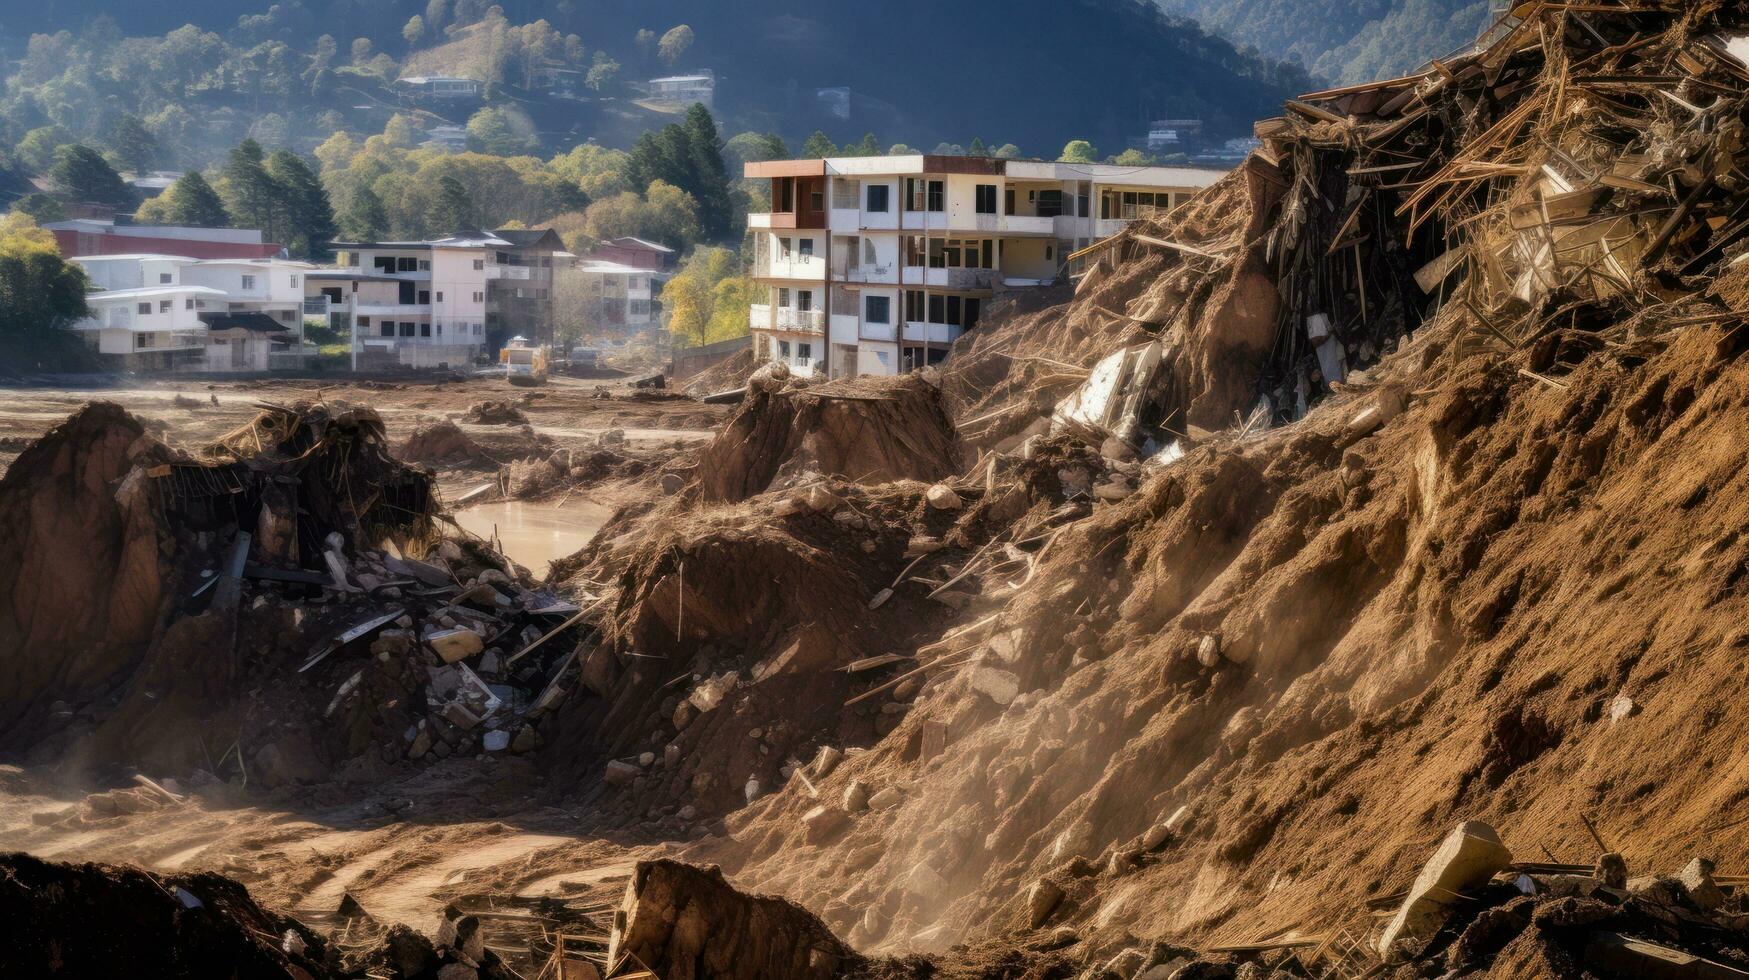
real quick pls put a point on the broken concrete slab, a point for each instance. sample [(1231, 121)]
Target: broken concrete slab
[(1468, 857), (453, 645)]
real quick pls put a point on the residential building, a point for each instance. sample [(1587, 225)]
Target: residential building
[(635, 252), (450, 139), (875, 265), (613, 299), (684, 90), (1173, 134), (442, 302), (150, 185), (174, 313), (438, 87), (85, 236)]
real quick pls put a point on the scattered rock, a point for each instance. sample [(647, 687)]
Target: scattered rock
[(942, 497)]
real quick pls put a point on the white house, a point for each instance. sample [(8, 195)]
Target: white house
[(438, 87), (875, 265), (684, 90), (170, 312)]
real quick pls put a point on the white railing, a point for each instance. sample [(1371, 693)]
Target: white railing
[(507, 272), (1021, 224), (809, 321), (317, 306), (393, 309)]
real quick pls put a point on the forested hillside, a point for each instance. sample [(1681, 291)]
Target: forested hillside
[(1343, 41), (1035, 73)]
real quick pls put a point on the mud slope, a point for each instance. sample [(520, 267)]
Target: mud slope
[(1429, 623)]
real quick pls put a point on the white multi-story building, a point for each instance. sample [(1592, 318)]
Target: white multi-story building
[(875, 265), (443, 302), (611, 299), (168, 312)]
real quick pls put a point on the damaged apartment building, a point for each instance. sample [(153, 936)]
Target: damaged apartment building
[(875, 265), (442, 302)]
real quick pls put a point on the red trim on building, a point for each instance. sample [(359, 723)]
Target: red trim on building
[(76, 243)]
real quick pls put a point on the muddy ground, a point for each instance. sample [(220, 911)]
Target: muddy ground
[(461, 828)]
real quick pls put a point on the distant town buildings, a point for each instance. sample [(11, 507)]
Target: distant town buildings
[(617, 298), (87, 236), (875, 265)]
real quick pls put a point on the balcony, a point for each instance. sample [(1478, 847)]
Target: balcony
[(969, 279), (918, 332), (318, 306), (393, 309), (1026, 224), (772, 220), (887, 274), (797, 266), (507, 272), (1107, 227), (846, 219), (923, 221), (886, 332), (801, 321)]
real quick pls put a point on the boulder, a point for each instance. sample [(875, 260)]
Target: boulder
[(1468, 857)]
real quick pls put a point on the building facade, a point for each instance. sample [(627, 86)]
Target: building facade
[(85, 236), (876, 265), (612, 300), (440, 303), (174, 313)]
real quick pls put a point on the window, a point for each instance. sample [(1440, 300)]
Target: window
[(1047, 253), (145, 309), (406, 264), (804, 353), (294, 282), (407, 328), (479, 297), (806, 247), (804, 299), (479, 265), (1008, 201), (388, 328), (783, 349), (424, 297), (142, 340), (424, 265), (165, 278), (783, 297), (476, 330), (913, 305), (878, 309), (783, 247), (986, 198), (936, 195), (190, 303), (786, 194), (440, 330), (384, 263), (440, 296), (248, 282), (817, 200), (877, 198), (425, 330)]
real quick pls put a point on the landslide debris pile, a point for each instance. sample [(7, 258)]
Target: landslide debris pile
[(870, 430), (1490, 573), (274, 608), (97, 920)]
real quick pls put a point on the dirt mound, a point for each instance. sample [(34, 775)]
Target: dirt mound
[(868, 430), (440, 442), (496, 412), (270, 561), (686, 923), (78, 562), (725, 375), (94, 920)]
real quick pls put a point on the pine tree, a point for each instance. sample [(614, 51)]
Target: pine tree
[(309, 217), (819, 145), (710, 178), (366, 220), (83, 176), (133, 145), (454, 210), (977, 148), (250, 194), (192, 201)]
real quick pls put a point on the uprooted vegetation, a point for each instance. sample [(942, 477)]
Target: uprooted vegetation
[(1392, 487)]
